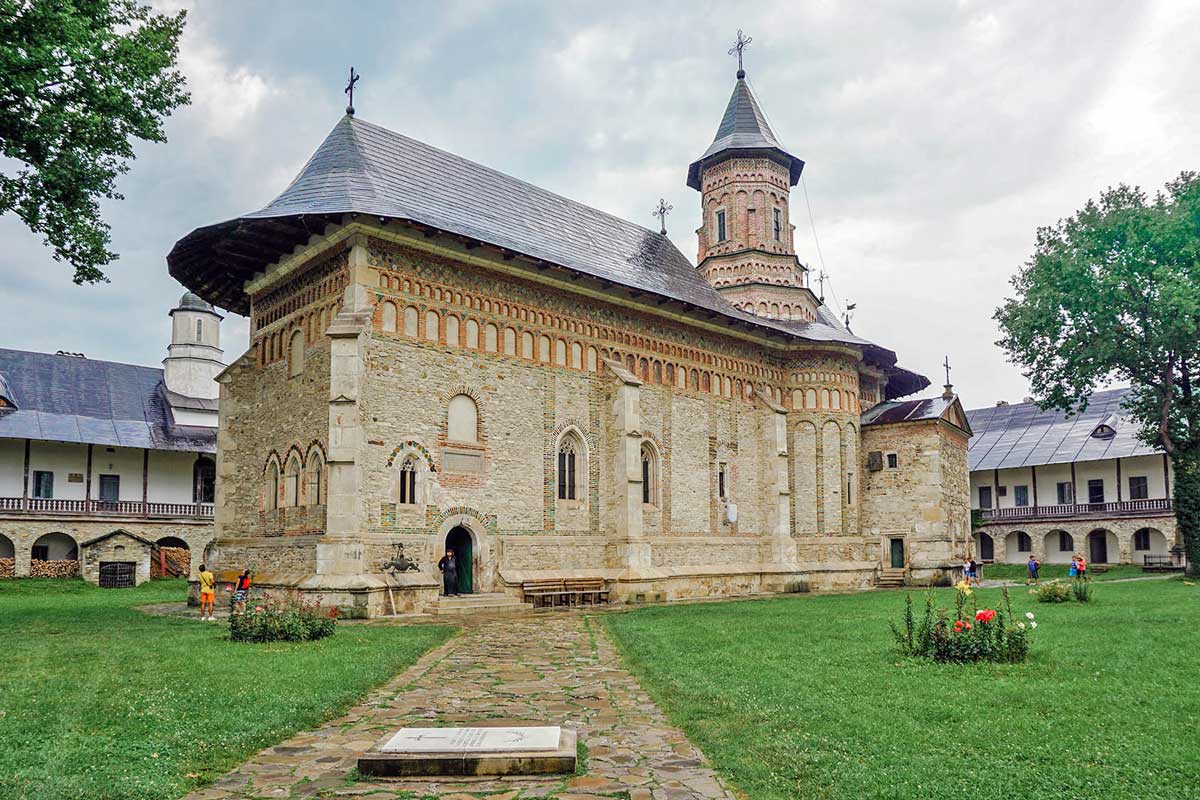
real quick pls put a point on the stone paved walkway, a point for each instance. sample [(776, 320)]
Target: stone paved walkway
[(548, 668)]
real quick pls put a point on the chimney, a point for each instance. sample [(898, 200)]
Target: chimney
[(1001, 403)]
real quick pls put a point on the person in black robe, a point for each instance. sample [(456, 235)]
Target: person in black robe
[(449, 567)]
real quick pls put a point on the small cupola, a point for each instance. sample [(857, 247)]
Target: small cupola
[(194, 357)]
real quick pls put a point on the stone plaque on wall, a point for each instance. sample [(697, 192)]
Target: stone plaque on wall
[(462, 461), (74, 477)]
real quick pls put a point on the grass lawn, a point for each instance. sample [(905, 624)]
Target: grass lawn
[(805, 697), (1016, 572), (98, 700)]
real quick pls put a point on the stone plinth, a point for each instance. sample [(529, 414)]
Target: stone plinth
[(524, 750)]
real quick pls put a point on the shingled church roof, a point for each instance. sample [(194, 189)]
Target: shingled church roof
[(365, 169), (744, 130)]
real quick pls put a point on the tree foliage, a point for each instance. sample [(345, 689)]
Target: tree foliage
[(80, 81), (1113, 294)]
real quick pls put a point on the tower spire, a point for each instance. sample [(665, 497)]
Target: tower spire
[(740, 45)]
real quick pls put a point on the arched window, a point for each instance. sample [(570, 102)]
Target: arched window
[(314, 479), (204, 480), (462, 419), (408, 482), (291, 482), (389, 317), (296, 353), (572, 467), (271, 489), (649, 474)]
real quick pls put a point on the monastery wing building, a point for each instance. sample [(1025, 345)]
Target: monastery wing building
[(445, 356)]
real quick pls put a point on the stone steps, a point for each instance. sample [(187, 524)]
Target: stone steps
[(484, 602), (891, 578)]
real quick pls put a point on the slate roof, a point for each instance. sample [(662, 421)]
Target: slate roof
[(907, 410), (118, 532), (1022, 435), (70, 399), (365, 169), (744, 130)]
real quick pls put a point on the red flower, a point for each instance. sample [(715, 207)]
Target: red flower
[(987, 615), (958, 626)]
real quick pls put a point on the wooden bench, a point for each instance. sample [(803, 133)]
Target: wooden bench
[(586, 591), (544, 592), (549, 592)]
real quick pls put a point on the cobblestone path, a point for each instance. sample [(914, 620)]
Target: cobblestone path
[(555, 668)]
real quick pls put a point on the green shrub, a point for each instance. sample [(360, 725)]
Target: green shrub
[(973, 635), (1082, 589), (1052, 592), (289, 618)]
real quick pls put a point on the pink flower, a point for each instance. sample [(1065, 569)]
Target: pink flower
[(258, 608), (986, 615)]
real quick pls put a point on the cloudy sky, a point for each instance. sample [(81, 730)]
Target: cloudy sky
[(937, 136)]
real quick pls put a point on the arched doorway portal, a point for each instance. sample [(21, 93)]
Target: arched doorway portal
[(459, 540)]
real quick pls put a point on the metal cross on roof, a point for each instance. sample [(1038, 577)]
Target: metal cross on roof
[(741, 44), (661, 212), (946, 364), (354, 76)]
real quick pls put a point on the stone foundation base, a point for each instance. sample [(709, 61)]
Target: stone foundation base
[(356, 596)]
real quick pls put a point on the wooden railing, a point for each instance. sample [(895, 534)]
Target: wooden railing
[(1123, 507), (118, 508)]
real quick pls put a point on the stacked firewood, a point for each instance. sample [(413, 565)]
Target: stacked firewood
[(54, 569), (176, 560), (8, 567)]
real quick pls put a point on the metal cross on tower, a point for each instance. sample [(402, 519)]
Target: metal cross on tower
[(741, 44), (661, 212), (354, 76), (946, 364)]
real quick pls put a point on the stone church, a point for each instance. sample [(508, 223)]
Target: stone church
[(442, 355)]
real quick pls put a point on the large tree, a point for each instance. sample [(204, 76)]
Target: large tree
[(1113, 294), (80, 81)]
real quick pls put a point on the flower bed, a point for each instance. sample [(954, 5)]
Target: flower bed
[(972, 634), (283, 618)]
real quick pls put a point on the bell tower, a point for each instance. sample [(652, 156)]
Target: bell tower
[(746, 235), (193, 362)]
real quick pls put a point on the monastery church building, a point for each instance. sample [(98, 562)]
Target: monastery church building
[(443, 355)]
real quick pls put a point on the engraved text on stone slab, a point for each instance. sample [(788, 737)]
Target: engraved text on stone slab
[(473, 740)]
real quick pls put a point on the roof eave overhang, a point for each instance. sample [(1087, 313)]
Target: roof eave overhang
[(795, 165)]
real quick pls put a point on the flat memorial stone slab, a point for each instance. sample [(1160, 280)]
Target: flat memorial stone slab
[(514, 750)]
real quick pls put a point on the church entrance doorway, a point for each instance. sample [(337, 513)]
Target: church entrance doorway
[(897, 548), (459, 540), (1098, 547)]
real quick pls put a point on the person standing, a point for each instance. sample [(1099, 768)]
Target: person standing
[(1081, 566), (449, 567), (975, 572), (966, 567), (241, 592), (1032, 565), (208, 594)]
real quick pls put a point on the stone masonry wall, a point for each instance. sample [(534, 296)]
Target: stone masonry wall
[(25, 531), (919, 500)]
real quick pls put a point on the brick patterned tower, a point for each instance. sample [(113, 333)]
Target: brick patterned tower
[(746, 249)]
